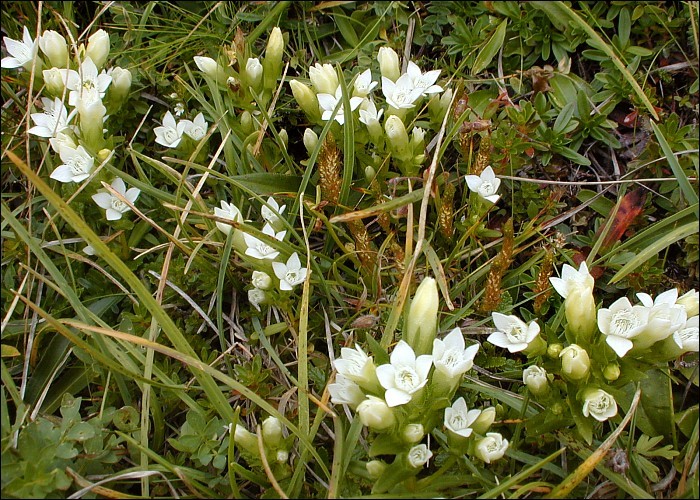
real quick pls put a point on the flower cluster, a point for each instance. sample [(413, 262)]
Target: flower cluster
[(171, 132), (263, 254), (601, 342), (274, 444), (76, 132), (404, 399)]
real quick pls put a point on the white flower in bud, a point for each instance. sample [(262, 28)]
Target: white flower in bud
[(54, 46), (376, 414), (254, 72), (261, 280), (310, 140), (272, 431), (210, 67), (323, 78), (599, 404), (690, 301), (492, 447), (413, 433), (421, 322), (98, 47), (272, 62), (307, 99), (389, 63), (419, 455), (484, 421), (535, 378), (256, 297), (575, 362)]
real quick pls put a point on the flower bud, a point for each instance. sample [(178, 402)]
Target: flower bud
[(324, 78), (103, 154), (246, 440), (611, 372), (284, 137), (419, 455), (272, 62), (91, 122), (211, 68), (490, 448), (553, 350), (397, 137), (417, 140), (54, 46), (375, 468), (282, 456), (484, 421), (575, 362), (272, 431), (370, 173), (307, 100), (598, 404), (246, 122), (310, 140), (61, 140), (438, 105), (256, 296), (376, 414), (119, 88), (690, 302), (389, 63), (98, 48), (254, 73), (535, 378), (581, 313), (421, 322), (413, 433), (261, 280), (53, 79)]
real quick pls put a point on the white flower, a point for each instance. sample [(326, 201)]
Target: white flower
[(112, 204), (256, 296), (364, 84), (492, 447), (599, 404), (290, 274), (575, 362), (258, 248), (227, 211), (686, 338), (485, 185), (195, 129), (621, 323), (345, 391), (86, 84), (323, 78), (450, 356), (21, 53), (459, 420), (52, 121), (209, 67), (419, 455), (98, 47), (355, 365), (400, 94), (272, 212), (77, 165), (54, 46), (690, 301), (328, 102), (405, 375), (535, 378), (369, 113), (424, 81), (513, 334), (179, 109), (665, 317), (261, 280), (272, 431), (61, 140), (254, 72), (170, 133), (375, 413), (89, 250), (571, 278)]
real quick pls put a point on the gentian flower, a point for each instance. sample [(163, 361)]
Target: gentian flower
[(258, 248), (323, 78), (52, 121), (21, 53), (419, 455), (485, 185), (170, 133), (621, 323), (328, 102), (290, 274), (256, 296), (575, 362), (492, 447), (364, 84), (112, 204), (355, 365), (405, 375), (272, 211), (424, 81), (376, 414), (345, 391), (86, 84), (54, 46), (195, 129), (599, 404), (77, 165), (227, 211), (535, 378), (458, 419), (389, 63), (513, 334), (401, 94), (451, 358), (98, 47)]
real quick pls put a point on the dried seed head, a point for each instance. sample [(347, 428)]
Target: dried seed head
[(329, 170)]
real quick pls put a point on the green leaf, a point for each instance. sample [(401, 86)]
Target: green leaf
[(686, 187), (564, 117), (657, 400), (82, 431), (490, 49)]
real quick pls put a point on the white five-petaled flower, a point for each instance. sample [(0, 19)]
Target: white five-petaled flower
[(485, 185), (405, 375), (599, 404), (256, 296), (170, 133), (401, 94), (665, 317), (77, 165), (424, 81), (369, 113), (87, 84), (450, 356), (260, 249), (364, 84), (52, 121), (492, 447), (356, 365), (227, 211), (345, 391), (290, 274), (272, 211), (21, 53), (621, 323), (571, 278), (513, 334), (459, 420), (111, 203), (419, 455), (328, 102), (195, 129)]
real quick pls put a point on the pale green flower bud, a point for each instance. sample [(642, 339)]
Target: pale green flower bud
[(611, 372), (376, 414), (439, 105), (103, 154), (261, 280), (307, 100), (119, 88), (397, 138), (370, 173), (690, 302), (246, 440), (98, 48), (272, 431), (420, 325), (484, 421), (272, 63), (375, 468), (284, 136), (553, 350), (413, 433), (389, 63), (282, 456), (54, 46), (575, 362), (91, 122), (310, 140), (53, 79), (581, 313), (211, 68), (535, 378), (324, 78), (246, 122), (254, 73)]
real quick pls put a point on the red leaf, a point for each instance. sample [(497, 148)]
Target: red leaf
[(631, 206)]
